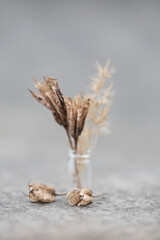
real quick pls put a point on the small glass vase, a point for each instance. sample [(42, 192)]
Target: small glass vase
[(79, 167)]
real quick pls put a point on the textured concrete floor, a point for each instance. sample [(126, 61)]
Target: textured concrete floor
[(131, 210)]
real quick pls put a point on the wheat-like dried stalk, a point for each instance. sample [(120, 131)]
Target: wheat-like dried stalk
[(100, 105)]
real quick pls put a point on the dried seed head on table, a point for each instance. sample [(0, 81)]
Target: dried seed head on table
[(40, 192), (80, 197)]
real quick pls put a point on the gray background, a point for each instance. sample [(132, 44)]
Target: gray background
[(62, 39)]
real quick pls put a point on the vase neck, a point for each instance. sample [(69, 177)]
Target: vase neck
[(74, 154)]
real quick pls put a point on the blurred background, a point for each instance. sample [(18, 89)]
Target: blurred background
[(63, 39)]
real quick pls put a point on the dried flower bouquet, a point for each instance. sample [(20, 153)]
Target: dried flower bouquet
[(69, 112), (72, 113)]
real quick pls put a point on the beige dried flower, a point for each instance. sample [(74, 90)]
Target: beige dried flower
[(100, 105), (40, 192), (80, 197)]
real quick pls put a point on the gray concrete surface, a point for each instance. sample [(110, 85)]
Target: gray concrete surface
[(131, 210)]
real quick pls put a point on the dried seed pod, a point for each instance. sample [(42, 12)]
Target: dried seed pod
[(56, 97), (42, 87), (51, 97), (71, 115), (41, 196), (85, 191), (41, 99), (77, 109), (40, 192), (45, 101), (85, 201), (73, 197), (80, 197), (43, 186), (82, 110)]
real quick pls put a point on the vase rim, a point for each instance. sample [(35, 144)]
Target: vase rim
[(80, 155)]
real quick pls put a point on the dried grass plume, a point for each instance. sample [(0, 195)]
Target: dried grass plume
[(101, 91)]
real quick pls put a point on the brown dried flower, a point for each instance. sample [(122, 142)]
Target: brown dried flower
[(80, 197), (39, 192), (77, 109), (51, 97), (69, 112)]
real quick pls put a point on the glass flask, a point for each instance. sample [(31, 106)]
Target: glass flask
[(79, 167)]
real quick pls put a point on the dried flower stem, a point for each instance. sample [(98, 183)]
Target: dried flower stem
[(81, 196), (99, 195), (69, 138), (60, 194), (77, 174), (56, 194), (76, 165)]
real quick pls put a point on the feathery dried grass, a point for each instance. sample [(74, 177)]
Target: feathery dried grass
[(100, 105)]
